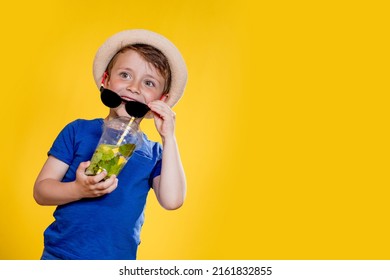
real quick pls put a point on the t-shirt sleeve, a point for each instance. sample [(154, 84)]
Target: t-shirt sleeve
[(63, 145), (155, 172)]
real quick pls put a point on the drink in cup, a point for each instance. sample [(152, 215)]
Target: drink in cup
[(116, 145)]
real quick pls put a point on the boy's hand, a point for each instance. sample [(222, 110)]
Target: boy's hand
[(93, 186), (164, 118)]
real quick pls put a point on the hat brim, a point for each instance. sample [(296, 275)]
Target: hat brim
[(140, 36)]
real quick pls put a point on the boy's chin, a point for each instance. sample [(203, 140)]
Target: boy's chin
[(119, 113)]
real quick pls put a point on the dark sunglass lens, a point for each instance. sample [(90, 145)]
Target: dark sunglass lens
[(136, 109), (110, 98)]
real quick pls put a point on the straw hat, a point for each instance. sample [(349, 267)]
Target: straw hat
[(139, 36)]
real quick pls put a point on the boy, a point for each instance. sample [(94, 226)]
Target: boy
[(102, 219)]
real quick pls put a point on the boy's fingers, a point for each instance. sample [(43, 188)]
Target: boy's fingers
[(107, 183), (113, 186), (162, 110), (83, 165), (99, 177)]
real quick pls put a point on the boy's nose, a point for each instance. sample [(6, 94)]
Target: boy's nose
[(134, 88)]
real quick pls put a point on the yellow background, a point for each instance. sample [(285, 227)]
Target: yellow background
[(283, 128)]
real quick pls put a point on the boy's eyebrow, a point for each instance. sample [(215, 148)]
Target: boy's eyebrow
[(125, 68)]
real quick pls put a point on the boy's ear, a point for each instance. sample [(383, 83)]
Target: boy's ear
[(105, 79), (164, 97)]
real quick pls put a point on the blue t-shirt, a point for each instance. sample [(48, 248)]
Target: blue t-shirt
[(106, 227)]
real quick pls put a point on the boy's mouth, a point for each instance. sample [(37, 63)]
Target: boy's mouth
[(127, 98)]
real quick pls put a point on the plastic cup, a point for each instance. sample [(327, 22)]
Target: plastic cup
[(115, 147)]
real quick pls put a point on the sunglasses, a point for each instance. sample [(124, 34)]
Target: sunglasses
[(112, 100)]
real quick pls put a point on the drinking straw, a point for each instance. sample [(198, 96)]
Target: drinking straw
[(135, 110), (127, 129)]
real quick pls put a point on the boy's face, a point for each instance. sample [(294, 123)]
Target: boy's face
[(133, 78)]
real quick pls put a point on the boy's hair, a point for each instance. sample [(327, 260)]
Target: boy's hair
[(151, 55)]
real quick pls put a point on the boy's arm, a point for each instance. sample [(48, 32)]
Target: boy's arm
[(170, 186), (49, 190)]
